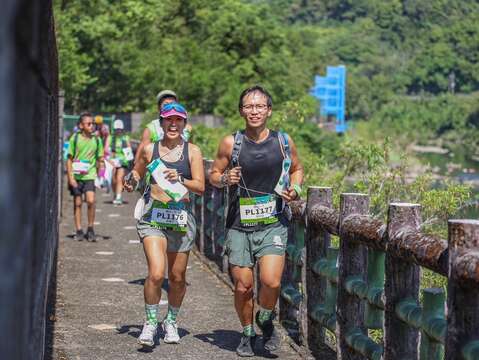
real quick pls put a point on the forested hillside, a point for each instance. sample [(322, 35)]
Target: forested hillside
[(401, 56)]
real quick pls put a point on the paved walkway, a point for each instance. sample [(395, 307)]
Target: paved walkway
[(99, 311)]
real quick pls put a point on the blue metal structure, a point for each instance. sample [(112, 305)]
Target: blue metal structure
[(331, 92)]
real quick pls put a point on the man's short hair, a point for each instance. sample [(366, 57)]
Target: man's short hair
[(253, 89), (83, 115)]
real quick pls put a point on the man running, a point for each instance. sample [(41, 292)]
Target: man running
[(85, 155), (121, 156), (262, 168), (167, 227), (153, 131)]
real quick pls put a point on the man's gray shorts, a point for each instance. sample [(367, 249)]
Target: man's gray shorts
[(244, 248)]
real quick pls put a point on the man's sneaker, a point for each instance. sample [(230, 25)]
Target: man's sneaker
[(271, 338), (246, 345), (147, 336), (171, 332), (90, 235), (117, 202), (79, 235)]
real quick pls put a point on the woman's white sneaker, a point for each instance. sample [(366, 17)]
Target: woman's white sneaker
[(147, 336), (171, 332)]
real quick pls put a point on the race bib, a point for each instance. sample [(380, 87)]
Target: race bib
[(128, 153), (258, 210), (80, 167), (169, 216)]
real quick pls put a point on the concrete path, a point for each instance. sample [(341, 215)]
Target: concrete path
[(100, 309)]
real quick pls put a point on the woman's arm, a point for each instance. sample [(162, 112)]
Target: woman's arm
[(197, 183)]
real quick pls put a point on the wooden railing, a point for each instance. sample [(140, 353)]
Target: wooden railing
[(372, 281)]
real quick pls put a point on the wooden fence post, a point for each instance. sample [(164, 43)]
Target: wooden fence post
[(317, 243), (401, 283), (463, 295), (352, 262)]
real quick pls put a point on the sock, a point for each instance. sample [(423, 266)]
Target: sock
[(151, 312), (79, 232), (118, 197), (90, 228), (172, 313), (264, 315), (248, 330)]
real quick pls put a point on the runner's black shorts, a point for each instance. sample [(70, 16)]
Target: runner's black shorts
[(82, 188)]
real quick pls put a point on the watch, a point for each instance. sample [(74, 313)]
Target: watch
[(181, 179)]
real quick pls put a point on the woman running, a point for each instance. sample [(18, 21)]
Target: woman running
[(167, 227)]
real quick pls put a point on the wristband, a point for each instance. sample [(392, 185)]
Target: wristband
[(224, 179), (181, 179), (297, 188)]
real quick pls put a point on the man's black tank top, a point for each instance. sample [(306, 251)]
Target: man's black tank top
[(261, 166), (182, 165)]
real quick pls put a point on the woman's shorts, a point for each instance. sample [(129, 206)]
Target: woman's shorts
[(176, 241)]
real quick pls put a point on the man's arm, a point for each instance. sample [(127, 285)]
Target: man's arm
[(71, 177), (145, 140), (218, 176)]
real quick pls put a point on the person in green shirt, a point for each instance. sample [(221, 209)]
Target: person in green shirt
[(85, 155), (121, 156)]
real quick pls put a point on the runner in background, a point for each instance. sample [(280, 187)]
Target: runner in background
[(85, 155), (166, 226), (121, 155)]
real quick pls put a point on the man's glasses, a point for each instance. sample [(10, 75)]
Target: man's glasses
[(258, 107)]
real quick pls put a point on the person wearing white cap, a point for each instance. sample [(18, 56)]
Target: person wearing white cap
[(153, 131), (121, 156)]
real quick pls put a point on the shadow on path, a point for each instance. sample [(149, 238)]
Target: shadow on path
[(229, 340)]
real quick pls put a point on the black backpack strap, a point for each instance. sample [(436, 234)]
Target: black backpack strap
[(75, 142), (284, 142), (113, 143), (237, 148), (97, 151), (156, 151)]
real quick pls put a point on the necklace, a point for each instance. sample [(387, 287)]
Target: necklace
[(176, 153), (258, 141)]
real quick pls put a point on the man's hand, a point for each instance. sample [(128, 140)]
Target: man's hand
[(290, 194), (130, 182), (72, 182), (233, 176)]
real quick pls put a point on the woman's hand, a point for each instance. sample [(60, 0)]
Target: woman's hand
[(130, 182), (171, 174)]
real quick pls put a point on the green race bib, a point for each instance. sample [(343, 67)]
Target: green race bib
[(169, 216), (258, 210)]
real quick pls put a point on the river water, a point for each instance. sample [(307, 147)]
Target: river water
[(461, 168)]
